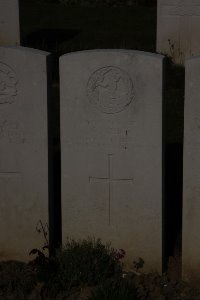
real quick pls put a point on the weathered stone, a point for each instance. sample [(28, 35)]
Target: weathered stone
[(111, 144), (9, 23), (191, 173), (178, 28), (23, 150)]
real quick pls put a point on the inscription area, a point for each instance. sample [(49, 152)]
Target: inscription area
[(8, 84), (9, 174), (11, 131), (110, 89), (110, 180), (181, 9)]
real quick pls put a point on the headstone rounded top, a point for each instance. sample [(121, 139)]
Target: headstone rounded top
[(8, 84), (110, 89)]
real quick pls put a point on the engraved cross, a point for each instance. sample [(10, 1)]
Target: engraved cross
[(182, 9), (110, 180), (9, 174)]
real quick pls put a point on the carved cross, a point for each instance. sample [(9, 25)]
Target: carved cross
[(182, 9), (110, 180), (9, 174)]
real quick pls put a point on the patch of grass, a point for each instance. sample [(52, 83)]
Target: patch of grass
[(17, 280), (77, 264), (87, 270), (86, 262), (120, 289)]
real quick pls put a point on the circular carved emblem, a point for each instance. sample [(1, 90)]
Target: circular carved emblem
[(110, 89), (8, 84)]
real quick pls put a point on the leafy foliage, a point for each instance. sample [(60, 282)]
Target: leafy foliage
[(86, 262), (17, 279), (78, 263), (138, 264), (120, 289)]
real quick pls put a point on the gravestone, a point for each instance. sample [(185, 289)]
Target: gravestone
[(9, 23), (111, 148), (23, 151), (191, 172), (178, 28)]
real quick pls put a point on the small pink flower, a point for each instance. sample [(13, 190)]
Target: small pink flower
[(119, 254)]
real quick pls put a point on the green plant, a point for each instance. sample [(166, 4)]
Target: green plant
[(41, 258), (120, 289), (41, 264), (138, 264), (17, 280), (77, 264), (87, 261)]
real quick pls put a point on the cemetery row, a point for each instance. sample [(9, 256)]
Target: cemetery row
[(111, 152), (111, 141)]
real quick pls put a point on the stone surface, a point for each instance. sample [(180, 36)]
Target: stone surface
[(191, 173), (23, 150), (178, 28), (9, 23), (111, 145)]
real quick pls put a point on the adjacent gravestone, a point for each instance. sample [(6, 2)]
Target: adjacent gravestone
[(178, 28), (9, 23), (191, 173), (23, 151), (111, 145)]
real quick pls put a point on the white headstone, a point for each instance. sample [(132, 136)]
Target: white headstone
[(178, 28), (9, 23), (23, 150), (111, 145), (191, 172)]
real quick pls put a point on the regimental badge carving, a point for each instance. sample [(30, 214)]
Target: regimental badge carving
[(110, 89), (8, 84), (11, 132)]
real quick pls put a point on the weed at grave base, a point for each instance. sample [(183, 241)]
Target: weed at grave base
[(17, 280), (78, 264), (87, 270), (115, 290), (86, 262)]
